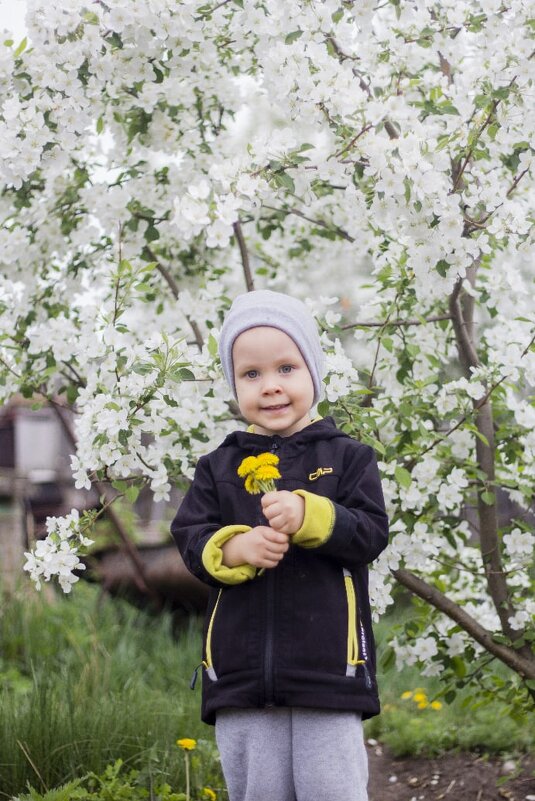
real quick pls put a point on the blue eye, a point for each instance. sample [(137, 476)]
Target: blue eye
[(286, 368), (251, 374)]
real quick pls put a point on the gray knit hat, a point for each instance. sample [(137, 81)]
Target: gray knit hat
[(273, 309)]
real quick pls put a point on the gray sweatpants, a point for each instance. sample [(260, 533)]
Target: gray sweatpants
[(292, 754)]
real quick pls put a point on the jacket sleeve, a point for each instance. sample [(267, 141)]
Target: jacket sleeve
[(199, 535), (353, 528)]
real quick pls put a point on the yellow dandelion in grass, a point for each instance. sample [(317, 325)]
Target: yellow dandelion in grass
[(208, 793), (419, 696), (187, 744), (260, 473)]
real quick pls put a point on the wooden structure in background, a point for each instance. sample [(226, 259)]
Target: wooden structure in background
[(36, 483)]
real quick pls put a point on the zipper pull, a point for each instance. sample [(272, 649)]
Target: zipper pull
[(275, 444), (193, 680), (367, 677)]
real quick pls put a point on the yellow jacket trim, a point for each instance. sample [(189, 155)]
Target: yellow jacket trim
[(352, 639), (318, 522), (208, 661), (212, 557)]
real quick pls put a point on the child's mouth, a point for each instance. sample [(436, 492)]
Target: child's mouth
[(275, 408)]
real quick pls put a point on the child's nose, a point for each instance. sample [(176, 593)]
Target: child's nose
[(271, 384)]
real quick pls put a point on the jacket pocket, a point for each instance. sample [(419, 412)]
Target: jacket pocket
[(357, 648), (208, 662)]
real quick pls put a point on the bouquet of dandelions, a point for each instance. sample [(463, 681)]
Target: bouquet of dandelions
[(59, 553), (260, 473)]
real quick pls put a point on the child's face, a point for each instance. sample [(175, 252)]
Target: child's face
[(273, 384)]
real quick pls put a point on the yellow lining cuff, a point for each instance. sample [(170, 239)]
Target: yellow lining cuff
[(318, 522), (212, 557)]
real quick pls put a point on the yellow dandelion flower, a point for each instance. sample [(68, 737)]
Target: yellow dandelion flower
[(423, 704), (208, 793), (267, 473), (406, 695), (187, 744), (267, 458), (419, 697), (252, 486), (436, 705), (248, 465), (260, 472)]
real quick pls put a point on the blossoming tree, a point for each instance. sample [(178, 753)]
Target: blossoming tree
[(374, 158)]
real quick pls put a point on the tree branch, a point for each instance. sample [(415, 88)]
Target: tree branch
[(410, 465), (397, 323), (321, 223), (522, 664), (130, 548), (459, 172), (173, 286), (485, 456), (352, 142), (238, 232)]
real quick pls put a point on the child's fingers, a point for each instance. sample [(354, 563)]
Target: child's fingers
[(272, 535)]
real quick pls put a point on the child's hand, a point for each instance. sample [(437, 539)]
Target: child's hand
[(262, 546), (284, 510)]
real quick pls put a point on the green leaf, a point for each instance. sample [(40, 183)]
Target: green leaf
[(22, 47), (488, 497), (403, 477), (450, 696), (152, 233), (282, 179), (388, 658), (100, 125), (186, 375), (293, 36), (324, 408), (132, 493), (478, 434), (459, 666), (142, 369), (212, 345), (182, 374)]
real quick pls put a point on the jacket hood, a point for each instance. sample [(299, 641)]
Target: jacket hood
[(324, 428)]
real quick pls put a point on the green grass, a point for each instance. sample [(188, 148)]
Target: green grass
[(467, 723), (86, 681)]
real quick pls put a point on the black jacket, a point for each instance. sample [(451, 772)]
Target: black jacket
[(299, 634)]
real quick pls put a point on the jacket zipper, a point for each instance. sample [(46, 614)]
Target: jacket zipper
[(269, 697), (356, 640)]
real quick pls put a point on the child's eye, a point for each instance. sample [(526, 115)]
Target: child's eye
[(286, 368), (251, 374)]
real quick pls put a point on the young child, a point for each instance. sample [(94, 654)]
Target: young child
[(289, 658)]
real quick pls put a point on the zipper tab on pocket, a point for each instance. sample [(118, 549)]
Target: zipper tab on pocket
[(193, 680)]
